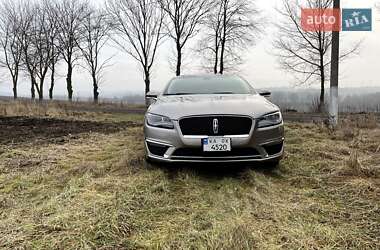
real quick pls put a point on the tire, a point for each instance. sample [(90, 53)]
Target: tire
[(151, 162), (273, 164), (148, 160)]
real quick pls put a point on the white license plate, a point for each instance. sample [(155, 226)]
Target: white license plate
[(216, 144)]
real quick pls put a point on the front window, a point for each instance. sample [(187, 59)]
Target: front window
[(208, 85)]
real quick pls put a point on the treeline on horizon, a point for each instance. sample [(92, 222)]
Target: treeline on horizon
[(305, 100), (38, 36)]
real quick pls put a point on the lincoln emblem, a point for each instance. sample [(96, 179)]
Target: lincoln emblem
[(215, 126)]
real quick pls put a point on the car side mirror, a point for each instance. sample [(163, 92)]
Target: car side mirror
[(265, 93), (151, 98), (152, 95)]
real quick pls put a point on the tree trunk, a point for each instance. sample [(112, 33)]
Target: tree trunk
[(221, 71), (96, 87), (41, 90), (321, 104), (35, 87), (14, 89), (322, 95), (223, 40), (147, 81), (52, 81), (33, 91), (69, 82), (147, 87), (216, 61), (216, 53), (179, 60)]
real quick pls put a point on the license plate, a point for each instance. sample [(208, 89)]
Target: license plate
[(216, 144)]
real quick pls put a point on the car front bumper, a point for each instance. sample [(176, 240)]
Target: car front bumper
[(170, 145)]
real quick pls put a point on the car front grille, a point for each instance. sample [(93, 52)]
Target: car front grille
[(226, 125)]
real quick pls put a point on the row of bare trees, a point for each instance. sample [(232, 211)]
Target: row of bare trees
[(36, 36), (141, 26)]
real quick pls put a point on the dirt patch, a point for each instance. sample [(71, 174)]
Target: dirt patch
[(15, 130)]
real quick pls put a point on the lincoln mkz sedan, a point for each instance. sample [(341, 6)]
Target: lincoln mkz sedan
[(213, 119)]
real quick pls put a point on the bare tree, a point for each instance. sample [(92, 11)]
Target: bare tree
[(306, 54), (184, 17), (52, 25), (37, 45), (11, 58), (70, 15), (95, 30), (231, 27), (27, 34), (209, 46), (138, 26)]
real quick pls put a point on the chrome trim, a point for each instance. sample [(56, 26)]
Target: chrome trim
[(217, 160), (253, 126), (273, 141), (158, 142), (208, 136)]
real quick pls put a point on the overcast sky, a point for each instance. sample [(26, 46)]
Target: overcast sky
[(261, 69)]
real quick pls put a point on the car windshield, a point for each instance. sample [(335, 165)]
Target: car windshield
[(208, 85)]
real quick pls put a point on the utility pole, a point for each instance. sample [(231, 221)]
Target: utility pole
[(334, 78)]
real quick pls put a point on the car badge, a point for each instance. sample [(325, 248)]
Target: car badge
[(215, 126)]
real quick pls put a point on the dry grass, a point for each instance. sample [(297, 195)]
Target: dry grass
[(35, 108), (94, 191), (59, 109), (363, 121)]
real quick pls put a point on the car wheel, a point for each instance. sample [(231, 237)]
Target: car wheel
[(149, 161), (272, 164), (152, 162)]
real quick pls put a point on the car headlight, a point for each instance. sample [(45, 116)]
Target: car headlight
[(159, 121), (270, 120)]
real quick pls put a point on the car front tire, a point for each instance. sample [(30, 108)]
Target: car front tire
[(272, 164)]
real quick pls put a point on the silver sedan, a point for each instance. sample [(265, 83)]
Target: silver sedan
[(213, 119)]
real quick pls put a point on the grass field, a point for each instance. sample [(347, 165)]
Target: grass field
[(80, 182)]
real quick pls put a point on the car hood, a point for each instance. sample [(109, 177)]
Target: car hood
[(176, 107)]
